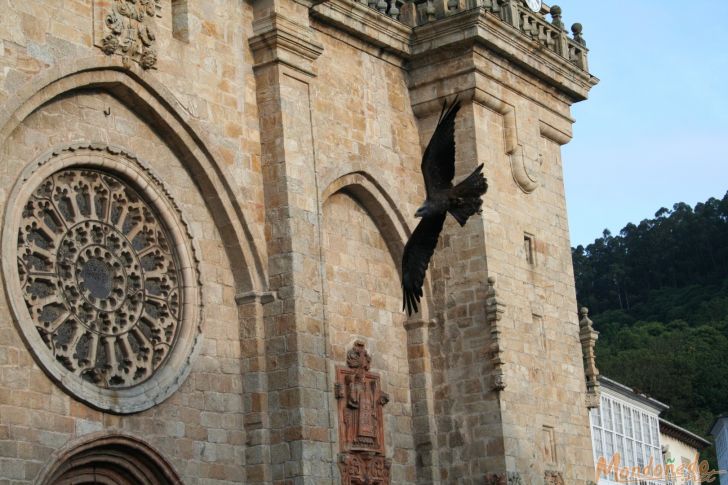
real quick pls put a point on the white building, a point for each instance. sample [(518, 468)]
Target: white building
[(626, 433), (632, 444), (681, 448), (720, 431)]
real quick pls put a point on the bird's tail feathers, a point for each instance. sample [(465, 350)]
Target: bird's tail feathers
[(465, 197)]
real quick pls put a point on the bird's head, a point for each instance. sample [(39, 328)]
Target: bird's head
[(423, 210)]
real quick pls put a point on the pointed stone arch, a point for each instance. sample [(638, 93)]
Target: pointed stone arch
[(155, 104), (108, 459), (369, 194)]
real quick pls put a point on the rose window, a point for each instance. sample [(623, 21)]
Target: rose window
[(100, 277)]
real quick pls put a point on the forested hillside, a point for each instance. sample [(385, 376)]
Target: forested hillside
[(658, 295)]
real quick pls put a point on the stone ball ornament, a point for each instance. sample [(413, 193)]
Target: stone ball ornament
[(102, 277)]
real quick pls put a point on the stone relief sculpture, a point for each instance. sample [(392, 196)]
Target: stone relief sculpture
[(130, 27), (552, 477), (361, 425)]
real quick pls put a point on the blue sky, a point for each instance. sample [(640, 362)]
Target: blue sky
[(655, 129)]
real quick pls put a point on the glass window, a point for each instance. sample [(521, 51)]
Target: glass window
[(637, 425), (608, 415), (628, 423), (618, 418)]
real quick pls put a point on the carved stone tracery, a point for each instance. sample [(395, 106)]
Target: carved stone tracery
[(99, 277), (361, 426), (102, 276)]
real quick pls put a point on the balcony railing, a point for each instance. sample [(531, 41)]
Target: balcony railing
[(552, 34)]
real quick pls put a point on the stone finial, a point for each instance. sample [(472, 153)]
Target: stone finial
[(588, 337), (576, 30), (556, 17)]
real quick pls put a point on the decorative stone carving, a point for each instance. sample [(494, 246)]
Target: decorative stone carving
[(508, 478), (364, 468), (495, 308), (360, 403), (102, 277), (552, 477), (588, 337), (576, 30), (130, 31), (556, 21), (526, 165), (361, 425), (99, 277)]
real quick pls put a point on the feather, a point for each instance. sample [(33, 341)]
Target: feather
[(438, 162), (416, 258)]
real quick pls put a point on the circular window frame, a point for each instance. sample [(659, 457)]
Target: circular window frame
[(139, 176)]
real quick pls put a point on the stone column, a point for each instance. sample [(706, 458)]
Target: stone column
[(294, 352)]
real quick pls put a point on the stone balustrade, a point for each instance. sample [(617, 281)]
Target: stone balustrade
[(551, 35)]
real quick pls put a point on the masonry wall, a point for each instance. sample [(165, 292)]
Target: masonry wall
[(209, 80), (299, 175)]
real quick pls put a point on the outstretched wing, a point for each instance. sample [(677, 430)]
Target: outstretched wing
[(416, 258), (438, 162)]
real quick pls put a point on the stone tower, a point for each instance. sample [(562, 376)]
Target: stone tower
[(204, 208)]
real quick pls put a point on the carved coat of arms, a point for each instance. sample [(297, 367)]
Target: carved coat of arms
[(129, 28)]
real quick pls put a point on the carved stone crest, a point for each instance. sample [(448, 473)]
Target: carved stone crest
[(552, 477), (361, 426), (508, 478), (364, 468), (129, 29)]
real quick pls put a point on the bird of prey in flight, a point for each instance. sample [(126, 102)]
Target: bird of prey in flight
[(461, 201)]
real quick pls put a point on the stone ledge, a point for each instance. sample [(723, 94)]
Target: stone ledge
[(471, 27), (366, 24)]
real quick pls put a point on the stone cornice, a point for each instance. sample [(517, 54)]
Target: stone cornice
[(277, 39), (366, 24), (474, 27)]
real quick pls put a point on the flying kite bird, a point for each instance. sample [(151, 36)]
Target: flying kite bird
[(461, 201)]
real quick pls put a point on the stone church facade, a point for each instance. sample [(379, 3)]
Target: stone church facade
[(204, 206)]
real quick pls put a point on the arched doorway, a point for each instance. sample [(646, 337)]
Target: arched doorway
[(110, 460)]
